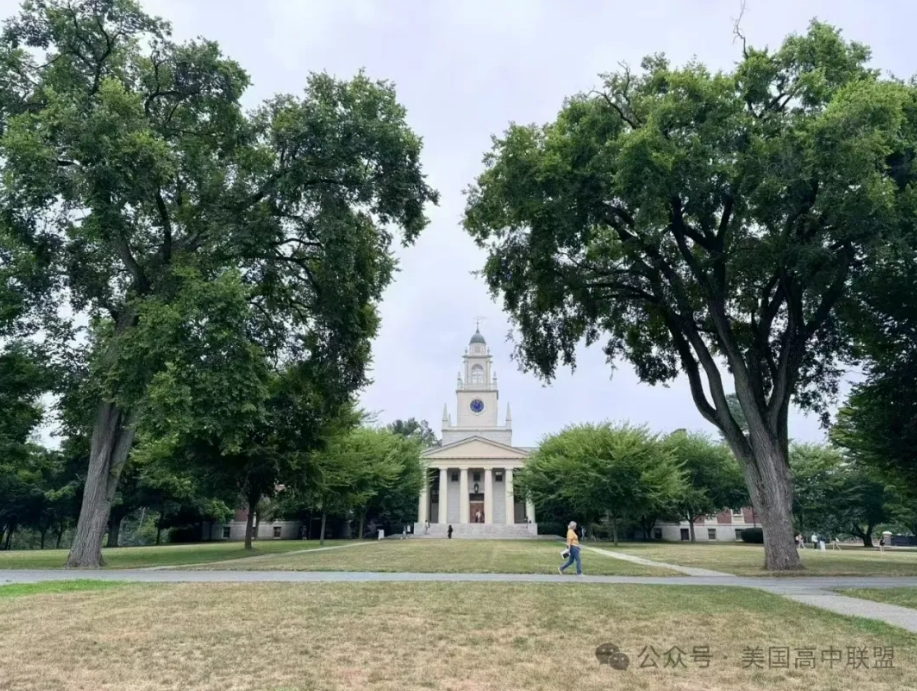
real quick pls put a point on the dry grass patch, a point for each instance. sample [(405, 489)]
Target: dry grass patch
[(748, 560), (446, 636), (160, 555), (448, 556), (904, 597)]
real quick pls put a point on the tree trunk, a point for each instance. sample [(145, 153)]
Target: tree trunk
[(691, 526), (771, 490), (43, 533), (114, 531), (9, 537), (159, 521), (138, 531), (362, 525), (60, 536), (864, 535), (112, 437), (614, 529), (250, 519), (321, 539)]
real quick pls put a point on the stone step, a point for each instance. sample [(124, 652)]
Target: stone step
[(479, 530)]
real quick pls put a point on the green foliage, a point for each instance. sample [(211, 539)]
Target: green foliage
[(753, 536), (836, 494), (712, 476), (413, 428), (590, 472), (213, 250), (362, 472), (691, 220)]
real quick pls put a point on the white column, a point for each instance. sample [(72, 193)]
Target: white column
[(510, 510), (423, 510), (488, 495), (464, 506), (530, 511), (443, 495)]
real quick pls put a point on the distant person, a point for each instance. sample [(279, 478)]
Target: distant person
[(835, 544), (882, 544), (426, 528), (814, 541), (573, 548), (449, 532), (477, 516)]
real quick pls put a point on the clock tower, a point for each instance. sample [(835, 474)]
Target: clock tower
[(477, 399)]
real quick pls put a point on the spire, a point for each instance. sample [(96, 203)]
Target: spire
[(509, 417), (445, 412)]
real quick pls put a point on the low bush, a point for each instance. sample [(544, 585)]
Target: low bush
[(754, 536)]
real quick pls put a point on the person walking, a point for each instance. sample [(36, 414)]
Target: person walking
[(836, 544), (814, 541), (449, 532), (882, 544), (573, 549), (426, 528)]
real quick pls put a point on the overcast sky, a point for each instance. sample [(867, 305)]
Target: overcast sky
[(464, 70)]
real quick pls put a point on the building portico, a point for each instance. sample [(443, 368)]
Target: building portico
[(470, 478)]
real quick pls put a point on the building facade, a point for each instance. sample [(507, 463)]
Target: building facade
[(725, 526), (470, 477)]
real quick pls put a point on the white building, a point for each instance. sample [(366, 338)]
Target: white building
[(470, 477), (725, 526)]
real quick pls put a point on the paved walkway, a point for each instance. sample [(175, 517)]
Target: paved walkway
[(256, 559), (688, 570), (814, 591)]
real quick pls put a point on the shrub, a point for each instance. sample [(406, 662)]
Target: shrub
[(753, 535)]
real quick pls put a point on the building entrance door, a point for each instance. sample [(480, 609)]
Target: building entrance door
[(476, 512)]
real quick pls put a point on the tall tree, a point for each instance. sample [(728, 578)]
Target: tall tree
[(878, 426), (22, 463), (414, 428), (600, 472), (712, 476), (131, 170), (835, 493), (693, 220)]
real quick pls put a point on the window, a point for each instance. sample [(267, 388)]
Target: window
[(276, 532), (711, 533), (738, 533), (454, 477), (477, 477), (685, 534), (498, 477), (226, 532), (657, 533), (477, 374)]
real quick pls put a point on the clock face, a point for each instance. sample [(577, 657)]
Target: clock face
[(477, 406)]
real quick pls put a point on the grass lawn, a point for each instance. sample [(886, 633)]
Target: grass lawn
[(22, 589), (448, 556), (905, 597), (163, 555), (747, 560), (445, 636)]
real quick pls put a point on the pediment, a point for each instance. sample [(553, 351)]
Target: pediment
[(475, 447)]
